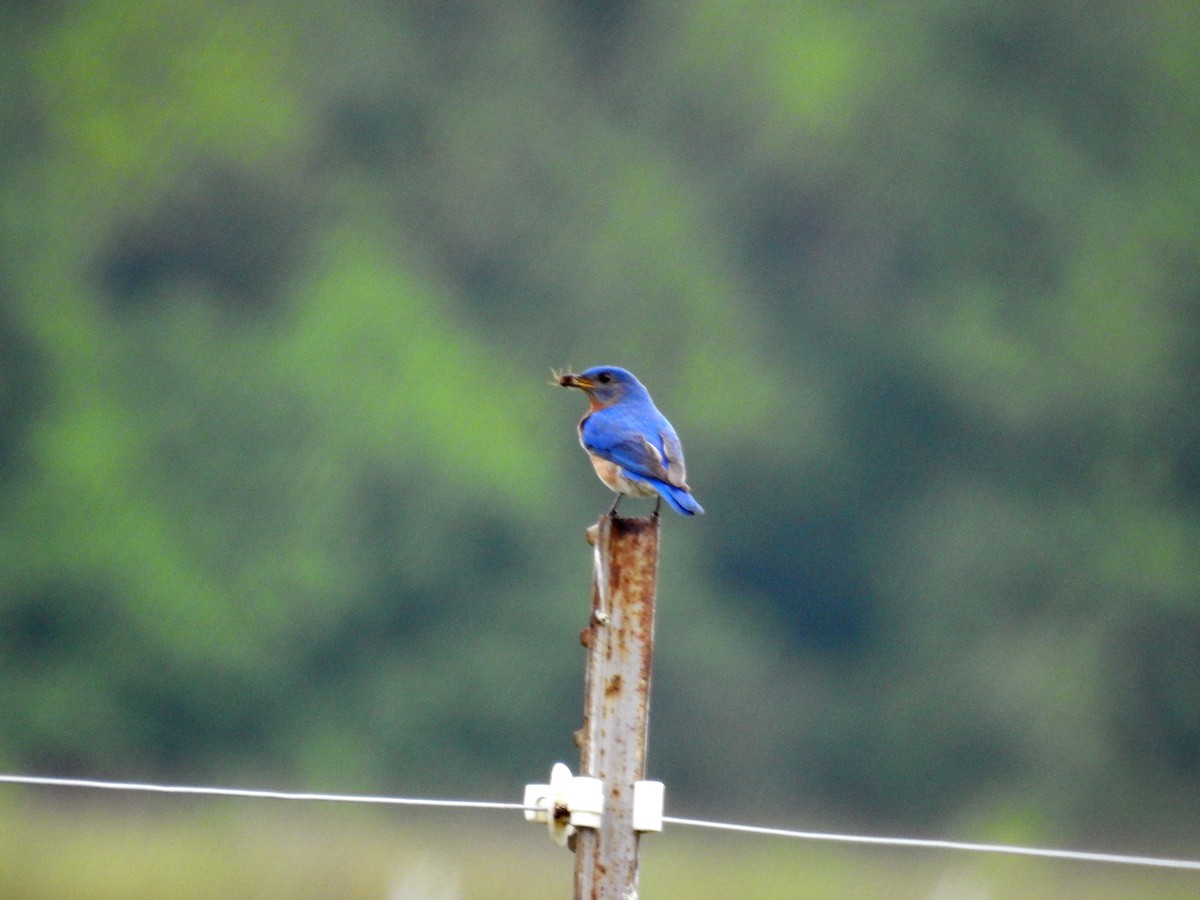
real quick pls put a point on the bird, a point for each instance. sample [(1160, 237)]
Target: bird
[(632, 446)]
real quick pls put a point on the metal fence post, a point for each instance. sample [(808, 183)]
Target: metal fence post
[(620, 647)]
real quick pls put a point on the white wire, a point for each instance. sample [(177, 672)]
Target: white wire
[(671, 820), (942, 845), (238, 792)]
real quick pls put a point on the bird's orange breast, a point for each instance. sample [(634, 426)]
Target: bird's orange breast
[(610, 473)]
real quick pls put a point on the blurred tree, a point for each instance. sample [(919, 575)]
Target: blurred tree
[(282, 488)]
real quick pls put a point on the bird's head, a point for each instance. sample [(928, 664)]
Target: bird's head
[(604, 385)]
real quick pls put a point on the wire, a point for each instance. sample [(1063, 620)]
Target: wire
[(942, 845), (262, 795), (671, 820)]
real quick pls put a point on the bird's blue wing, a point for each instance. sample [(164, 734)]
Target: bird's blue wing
[(672, 452), (639, 440)]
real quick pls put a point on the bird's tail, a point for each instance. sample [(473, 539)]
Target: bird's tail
[(677, 498)]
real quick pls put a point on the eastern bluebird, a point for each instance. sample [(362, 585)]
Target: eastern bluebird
[(632, 446)]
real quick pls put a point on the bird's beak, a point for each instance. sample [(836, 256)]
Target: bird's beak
[(568, 380)]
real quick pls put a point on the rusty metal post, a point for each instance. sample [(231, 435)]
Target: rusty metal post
[(620, 644)]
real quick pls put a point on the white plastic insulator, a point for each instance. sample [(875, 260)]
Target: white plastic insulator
[(648, 805), (566, 803), (537, 803), (585, 799), (560, 809)]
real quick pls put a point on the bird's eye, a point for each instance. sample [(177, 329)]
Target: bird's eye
[(604, 378)]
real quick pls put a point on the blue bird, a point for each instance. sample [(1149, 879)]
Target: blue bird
[(633, 447)]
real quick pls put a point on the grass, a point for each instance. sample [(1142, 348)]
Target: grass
[(57, 846)]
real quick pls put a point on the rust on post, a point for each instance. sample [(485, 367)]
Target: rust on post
[(620, 644)]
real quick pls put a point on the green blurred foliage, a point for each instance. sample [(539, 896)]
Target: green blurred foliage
[(284, 493)]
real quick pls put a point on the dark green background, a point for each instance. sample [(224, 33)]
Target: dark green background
[(286, 499)]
